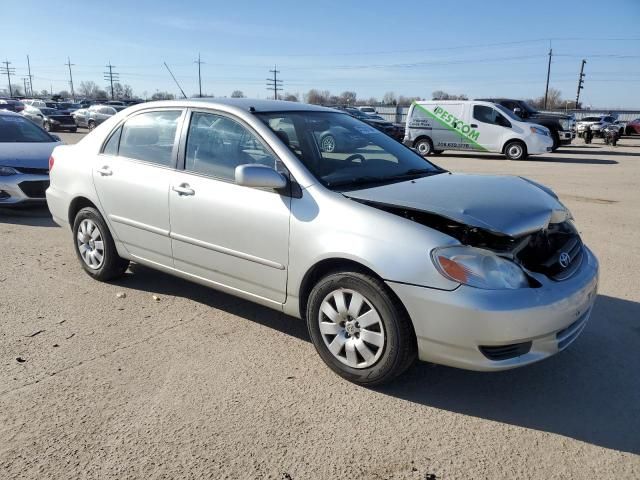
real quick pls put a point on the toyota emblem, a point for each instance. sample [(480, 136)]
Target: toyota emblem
[(564, 260)]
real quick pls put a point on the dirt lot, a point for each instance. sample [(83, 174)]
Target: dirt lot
[(199, 384)]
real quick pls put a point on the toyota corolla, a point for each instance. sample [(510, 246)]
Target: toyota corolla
[(386, 256)]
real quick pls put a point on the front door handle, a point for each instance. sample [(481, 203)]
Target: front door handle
[(473, 125), (183, 189), (105, 171)]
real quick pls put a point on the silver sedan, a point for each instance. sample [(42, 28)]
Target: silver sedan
[(386, 256)]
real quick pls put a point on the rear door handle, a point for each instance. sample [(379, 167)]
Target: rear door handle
[(183, 189), (105, 171)]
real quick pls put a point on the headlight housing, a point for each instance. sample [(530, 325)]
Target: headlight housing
[(7, 171), (539, 131), (478, 268)]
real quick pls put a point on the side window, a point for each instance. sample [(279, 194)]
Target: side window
[(150, 137), (486, 114), (216, 145), (111, 147)]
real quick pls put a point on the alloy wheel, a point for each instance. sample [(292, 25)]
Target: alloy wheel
[(351, 328), (90, 244)]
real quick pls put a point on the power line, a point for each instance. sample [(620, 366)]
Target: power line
[(8, 71), (274, 83), (199, 62), (110, 76), (73, 95)]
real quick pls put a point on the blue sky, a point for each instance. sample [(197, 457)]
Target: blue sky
[(480, 48)]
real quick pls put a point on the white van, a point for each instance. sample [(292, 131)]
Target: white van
[(438, 125)]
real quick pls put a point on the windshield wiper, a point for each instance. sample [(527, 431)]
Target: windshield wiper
[(356, 181)]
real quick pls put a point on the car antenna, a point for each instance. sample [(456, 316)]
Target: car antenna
[(174, 79)]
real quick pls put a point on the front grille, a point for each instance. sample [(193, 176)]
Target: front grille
[(555, 252), (34, 189), (33, 171), (505, 352)]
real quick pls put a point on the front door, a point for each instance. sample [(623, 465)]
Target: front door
[(491, 126), (231, 235), (132, 177)]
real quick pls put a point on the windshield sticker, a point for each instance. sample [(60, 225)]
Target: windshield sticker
[(365, 129), (451, 122)]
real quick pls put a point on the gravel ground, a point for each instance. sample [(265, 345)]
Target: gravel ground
[(198, 384)]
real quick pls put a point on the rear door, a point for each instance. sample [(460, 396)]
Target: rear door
[(132, 177), (444, 119)]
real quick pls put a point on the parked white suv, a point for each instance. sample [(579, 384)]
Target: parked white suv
[(596, 123)]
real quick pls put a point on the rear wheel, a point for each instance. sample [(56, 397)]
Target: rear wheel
[(91, 125), (437, 152), (515, 150), (359, 328), (95, 247), (424, 146), (46, 126)]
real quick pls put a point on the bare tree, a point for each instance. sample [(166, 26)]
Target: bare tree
[(389, 98), (237, 94), (440, 95), (88, 89), (163, 96), (127, 91), (348, 97), (317, 97), (291, 97)]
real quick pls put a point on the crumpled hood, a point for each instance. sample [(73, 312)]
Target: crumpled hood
[(504, 205), (28, 155)]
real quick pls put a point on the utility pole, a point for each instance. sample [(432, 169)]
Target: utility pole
[(580, 82), (24, 82), (273, 83), (199, 62), (8, 71), (546, 91), (30, 77), (69, 64), (110, 76)]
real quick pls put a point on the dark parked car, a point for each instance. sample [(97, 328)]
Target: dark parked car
[(11, 105), (25, 149), (558, 124), (377, 122), (50, 119)]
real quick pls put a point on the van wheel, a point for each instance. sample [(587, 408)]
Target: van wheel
[(359, 328), (91, 125), (437, 152), (515, 150), (424, 146), (95, 247)]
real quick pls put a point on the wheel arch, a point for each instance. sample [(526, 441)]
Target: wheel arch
[(422, 137), (78, 204), (515, 139)]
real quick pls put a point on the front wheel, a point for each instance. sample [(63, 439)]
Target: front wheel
[(359, 328), (95, 247), (515, 150), (91, 125), (46, 126)]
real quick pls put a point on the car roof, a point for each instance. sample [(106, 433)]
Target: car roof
[(10, 114), (242, 104)]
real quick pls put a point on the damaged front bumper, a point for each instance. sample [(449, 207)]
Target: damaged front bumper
[(490, 330)]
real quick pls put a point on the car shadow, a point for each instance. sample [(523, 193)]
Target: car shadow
[(603, 151), (31, 216), (589, 392), (146, 279)]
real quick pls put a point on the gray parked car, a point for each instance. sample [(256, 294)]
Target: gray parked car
[(386, 256), (93, 116), (25, 149)]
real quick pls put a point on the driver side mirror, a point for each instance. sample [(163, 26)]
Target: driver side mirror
[(259, 176)]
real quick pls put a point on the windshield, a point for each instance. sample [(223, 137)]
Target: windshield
[(343, 152), (15, 129), (508, 113), (590, 119), (48, 111)]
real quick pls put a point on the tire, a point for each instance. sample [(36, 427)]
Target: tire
[(437, 152), (424, 146), (358, 359), (328, 144), (556, 141), (91, 125), (73, 130), (515, 150), (46, 126), (87, 246)]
